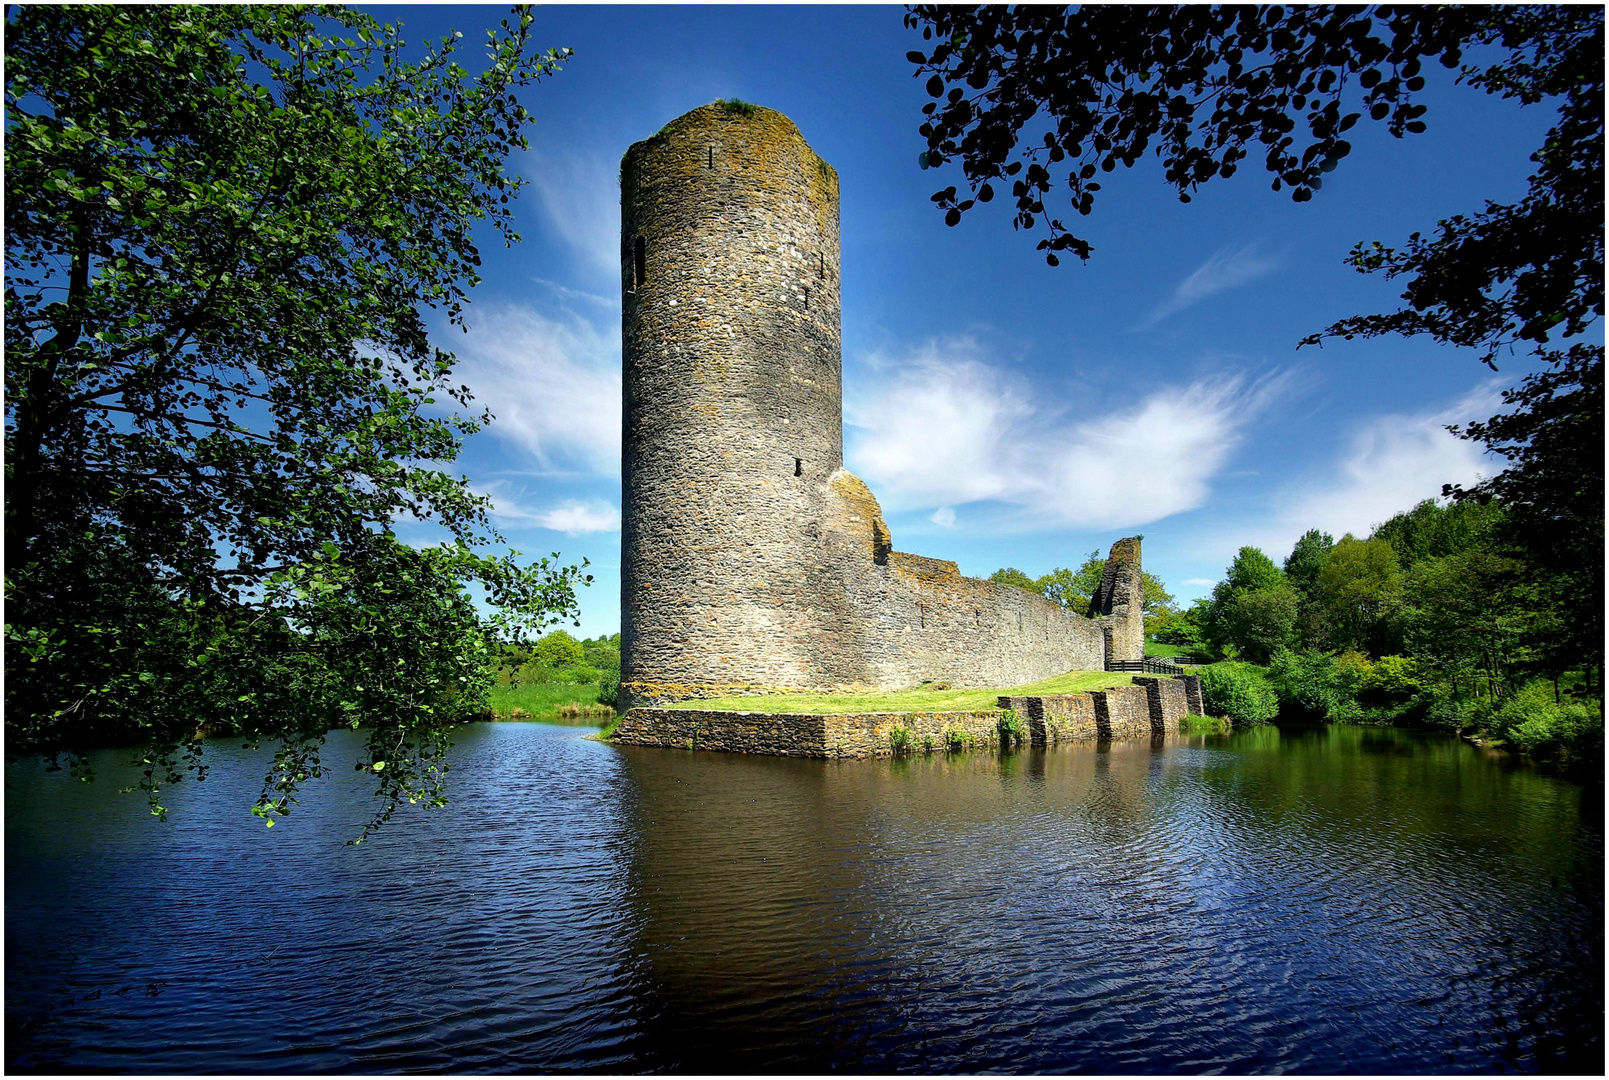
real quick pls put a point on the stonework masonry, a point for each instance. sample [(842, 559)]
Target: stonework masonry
[(1151, 707), (748, 555)]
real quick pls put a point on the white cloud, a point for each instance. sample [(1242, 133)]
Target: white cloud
[(580, 197), (576, 517), (944, 517), (944, 428), (1226, 269), (571, 516), (1201, 581), (1391, 462), (553, 385)]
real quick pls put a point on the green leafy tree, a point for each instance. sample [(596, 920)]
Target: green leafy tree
[(1360, 586), (558, 649), (224, 227), (1307, 556), (1253, 610), (1010, 575), (1240, 692)]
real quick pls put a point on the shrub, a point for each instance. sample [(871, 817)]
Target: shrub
[(609, 687), (1315, 684), (1533, 723), (1239, 692), (956, 739), (899, 738), (1013, 729)]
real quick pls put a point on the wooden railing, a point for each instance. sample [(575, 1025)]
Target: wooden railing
[(1151, 665)]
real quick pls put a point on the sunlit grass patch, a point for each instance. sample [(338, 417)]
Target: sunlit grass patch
[(920, 699), (550, 701)]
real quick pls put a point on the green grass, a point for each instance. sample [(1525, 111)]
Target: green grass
[(542, 700), (917, 700)]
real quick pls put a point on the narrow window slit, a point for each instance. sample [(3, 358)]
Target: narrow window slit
[(798, 466), (641, 261), (712, 157), (807, 299), (821, 269)]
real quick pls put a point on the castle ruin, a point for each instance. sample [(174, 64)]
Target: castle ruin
[(749, 556)]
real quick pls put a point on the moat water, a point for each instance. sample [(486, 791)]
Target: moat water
[(1341, 900)]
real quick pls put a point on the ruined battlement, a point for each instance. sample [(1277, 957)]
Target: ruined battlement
[(748, 554)]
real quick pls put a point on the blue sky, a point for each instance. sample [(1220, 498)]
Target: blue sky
[(1004, 412)]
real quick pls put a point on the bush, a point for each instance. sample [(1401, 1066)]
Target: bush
[(900, 738), (1314, 685), (609, 687), (1240, 692), (1531, 722), (1013, 729)]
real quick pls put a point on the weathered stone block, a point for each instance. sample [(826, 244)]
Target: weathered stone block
[(1165, 699), (1122, 712)]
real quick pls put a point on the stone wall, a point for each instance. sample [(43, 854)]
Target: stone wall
[(1119, 604), (1123, 712), (1166, 699), (1150, 707), (748, 555), (849, 735)]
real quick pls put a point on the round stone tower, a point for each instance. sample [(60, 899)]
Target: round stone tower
[(733, 406)]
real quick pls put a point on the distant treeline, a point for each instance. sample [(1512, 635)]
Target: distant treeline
[(558, 657)]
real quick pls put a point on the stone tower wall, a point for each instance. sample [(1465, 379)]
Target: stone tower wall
[(748, 556), (733, 414)]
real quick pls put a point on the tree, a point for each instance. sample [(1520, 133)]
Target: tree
[(1205, 87), (558, 649), (223, 227), (1010, 575), (1302, 565), (1253, 609), (1360, 585)]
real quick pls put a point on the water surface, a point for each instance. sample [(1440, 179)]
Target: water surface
[(1338, 900)]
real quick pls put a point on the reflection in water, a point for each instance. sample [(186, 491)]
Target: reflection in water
[(1341, 899)]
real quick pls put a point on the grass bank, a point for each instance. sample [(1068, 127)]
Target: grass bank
[(548, 701), (921, 699)]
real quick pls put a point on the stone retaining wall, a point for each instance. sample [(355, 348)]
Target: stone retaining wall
[(1166, 700), (1122, 712), (837, 735)]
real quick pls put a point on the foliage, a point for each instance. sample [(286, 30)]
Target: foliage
[(736, 106), (956, 739), (1010, 575), (900, 738), (1306, 559), (1552, 490), (609, 687), (223, 226), (1309, 684), (1240, 692), (557, 649), (1203, 86), (1074, 589), (1569, 735), (1360, 588), (1012, 728), (1253, 609)]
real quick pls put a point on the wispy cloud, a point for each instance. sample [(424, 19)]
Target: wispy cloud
[(580, 198), (552, 382), (1390, 463), (945, 428), (572, 516), (1201, 581), (1226, 269), (944, 517)]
